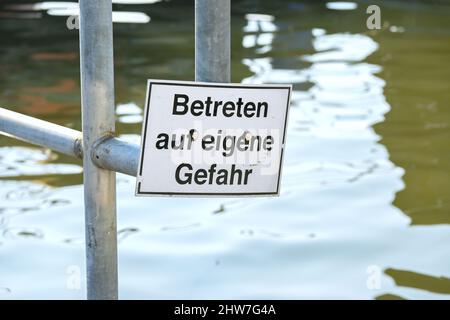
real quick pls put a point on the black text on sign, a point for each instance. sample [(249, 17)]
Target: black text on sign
[(211, 139)]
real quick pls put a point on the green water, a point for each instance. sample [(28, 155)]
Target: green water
[(365, 202)]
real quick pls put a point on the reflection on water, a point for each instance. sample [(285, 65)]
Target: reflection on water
[(417, 128), (65, 9), (341, 5), (129, 113), (365, 181)]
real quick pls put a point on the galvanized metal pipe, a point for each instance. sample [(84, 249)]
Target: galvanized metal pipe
[(97, 97), (110, 153), (43, 133), (115, 154), (212, 40)]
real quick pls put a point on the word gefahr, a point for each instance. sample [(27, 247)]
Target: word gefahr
[(210, 108), (186, 175)]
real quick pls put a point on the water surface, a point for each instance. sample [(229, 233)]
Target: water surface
[(364, 210)]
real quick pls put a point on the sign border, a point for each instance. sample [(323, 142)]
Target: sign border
[(151, 82)]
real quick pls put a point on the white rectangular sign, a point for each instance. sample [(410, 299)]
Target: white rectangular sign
[(212, 139)]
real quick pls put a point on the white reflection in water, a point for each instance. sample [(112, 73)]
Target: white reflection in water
[(262, 27), (117, 16), (129, 113), (341, 5), (43, 6), (340, 178), (136, 1), (21, 161), (342, 47), (62, 8), (48, 5), (259, 22), (128, 108)]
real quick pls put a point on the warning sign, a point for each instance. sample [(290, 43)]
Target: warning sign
[(212, 139)]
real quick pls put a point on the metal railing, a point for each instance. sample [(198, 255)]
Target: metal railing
[(103, 155)]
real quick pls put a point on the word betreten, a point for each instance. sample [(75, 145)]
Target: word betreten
[(211, 108)]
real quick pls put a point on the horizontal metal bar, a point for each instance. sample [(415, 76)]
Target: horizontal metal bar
[(116, 155), (108, 153), (43, 133)]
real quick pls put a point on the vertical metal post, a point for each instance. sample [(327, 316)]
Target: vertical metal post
[(212, 40), (97, 98)]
